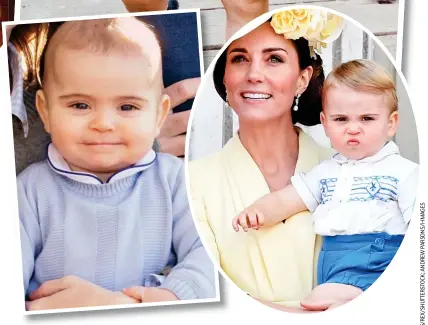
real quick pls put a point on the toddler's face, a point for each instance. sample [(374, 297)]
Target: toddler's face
[(357, 123), (103, 111)]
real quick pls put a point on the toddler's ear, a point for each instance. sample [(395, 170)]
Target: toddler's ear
[(162, 112), (42, 109), (392, 124), (323, 119)]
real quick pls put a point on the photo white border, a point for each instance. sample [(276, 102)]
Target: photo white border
[(365, 297), (236, 306), (17, 235)]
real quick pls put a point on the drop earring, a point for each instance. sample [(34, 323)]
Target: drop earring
[(227, 100), (296, 105)]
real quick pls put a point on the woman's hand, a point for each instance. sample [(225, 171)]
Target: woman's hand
[(240, 12), (324, 297), (150, 294), (296, 310), (145, 5), (329, 296), (171, 138), (73, 292)]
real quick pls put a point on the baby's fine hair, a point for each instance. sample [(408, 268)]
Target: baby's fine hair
[(101, 35), (124, 36), (365, 76)]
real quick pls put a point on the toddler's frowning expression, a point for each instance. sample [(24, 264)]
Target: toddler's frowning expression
[(103, 104), (358, 123)]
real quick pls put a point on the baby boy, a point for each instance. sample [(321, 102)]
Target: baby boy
[(104, 206)]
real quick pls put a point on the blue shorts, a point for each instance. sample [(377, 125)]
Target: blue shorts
[(357, 260)]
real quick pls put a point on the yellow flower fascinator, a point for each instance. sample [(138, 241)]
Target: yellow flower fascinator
[(318, 27)]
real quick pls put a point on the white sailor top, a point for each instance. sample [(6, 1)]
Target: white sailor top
[(374, 194)]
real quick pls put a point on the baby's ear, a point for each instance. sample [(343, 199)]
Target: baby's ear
[(42, 109), (162, 112)]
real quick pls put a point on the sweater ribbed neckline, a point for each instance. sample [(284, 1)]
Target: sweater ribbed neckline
[(101, 190)]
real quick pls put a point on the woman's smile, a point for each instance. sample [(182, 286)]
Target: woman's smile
[(259, 96)]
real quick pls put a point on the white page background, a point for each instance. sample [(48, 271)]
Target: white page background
[(394, 298)]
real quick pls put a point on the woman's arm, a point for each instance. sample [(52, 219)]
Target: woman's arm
[(145, 5), (240, 12)]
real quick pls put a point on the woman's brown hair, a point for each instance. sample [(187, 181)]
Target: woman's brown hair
[(30, 41), (310, 103)]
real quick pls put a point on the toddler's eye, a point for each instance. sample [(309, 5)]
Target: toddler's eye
[(80, 106), (367, 118), (128, 107)]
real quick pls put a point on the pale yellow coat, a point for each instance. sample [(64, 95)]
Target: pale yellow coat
[(276, 264)]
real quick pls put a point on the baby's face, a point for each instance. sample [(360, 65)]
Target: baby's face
[(357, 123), (103, 111)]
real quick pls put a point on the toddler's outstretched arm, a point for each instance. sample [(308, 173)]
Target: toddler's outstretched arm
[(270, 209)]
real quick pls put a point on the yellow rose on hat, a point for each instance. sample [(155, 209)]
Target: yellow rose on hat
[(283, 22), (317, 26)]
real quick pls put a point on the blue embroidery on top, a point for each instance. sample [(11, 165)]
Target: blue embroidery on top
[(373, 188), (327, 187), (382, 188)]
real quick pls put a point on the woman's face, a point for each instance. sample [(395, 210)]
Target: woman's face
[(262, 75)]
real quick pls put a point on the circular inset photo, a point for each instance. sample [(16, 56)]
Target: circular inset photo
[(302, 159)]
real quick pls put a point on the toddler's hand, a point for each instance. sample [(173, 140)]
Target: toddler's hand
[(144, 294), (249, 218)]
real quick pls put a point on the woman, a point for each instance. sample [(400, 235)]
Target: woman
[(271, 83)]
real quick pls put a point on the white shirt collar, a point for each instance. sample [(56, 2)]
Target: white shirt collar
[(59, 165), (390, 148), (17, 95)]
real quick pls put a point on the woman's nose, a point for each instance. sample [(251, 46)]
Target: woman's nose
[(255, 72), (103, 120)]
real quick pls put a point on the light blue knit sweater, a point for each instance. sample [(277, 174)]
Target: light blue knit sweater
[(115, 235)]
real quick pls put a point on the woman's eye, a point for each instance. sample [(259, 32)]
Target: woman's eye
[(128, 107), (80, 106), (238, 59), (275, 59)]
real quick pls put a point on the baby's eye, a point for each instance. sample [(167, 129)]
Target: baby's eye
[(80, 106), (339, 119), (276, 59), (128, 107), (367, 118)]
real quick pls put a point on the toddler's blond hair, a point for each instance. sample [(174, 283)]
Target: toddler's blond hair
[(365, 76)]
